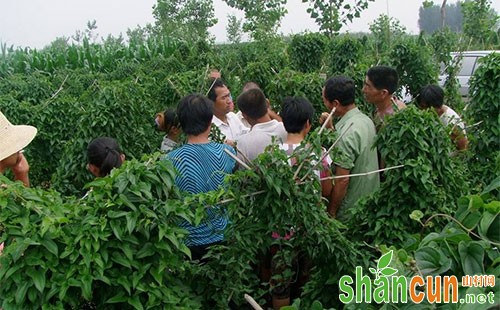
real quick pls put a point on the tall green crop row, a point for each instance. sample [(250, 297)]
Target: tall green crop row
[(88, 56)]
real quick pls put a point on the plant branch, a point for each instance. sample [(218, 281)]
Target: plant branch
[(300, 183), (461, 225)]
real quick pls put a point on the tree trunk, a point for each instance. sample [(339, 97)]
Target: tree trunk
[(443, 14)]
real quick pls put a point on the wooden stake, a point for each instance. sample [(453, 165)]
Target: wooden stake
[(239, 161), (327, 152), (326, 121), (361, 174), (252, 302)]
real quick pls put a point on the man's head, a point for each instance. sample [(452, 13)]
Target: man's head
[(430, 96), (250, 85), (339, 91), (195, 114), (380, 83), (252, 104), (297, 114), (221, 96)]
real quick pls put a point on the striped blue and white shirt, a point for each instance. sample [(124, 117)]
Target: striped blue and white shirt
[(202, 168)]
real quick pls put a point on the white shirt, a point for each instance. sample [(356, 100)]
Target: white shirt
[(167, 144), (234, 127), (325, 165), (243, 120), (451, 117), (253, 143)]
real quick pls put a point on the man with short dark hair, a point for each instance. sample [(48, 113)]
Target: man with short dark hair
[(272, 114), (201, 166), (297, 116), (227, 122), (380, 84), (432, 96), (356, 144), (253, 106)]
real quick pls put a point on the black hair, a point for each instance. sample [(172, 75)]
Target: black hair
[(295, 113), (170, 119), (383, 77), (253, 103), (104, 153), (195, 113), (340, 88), (214, 83), (431, 96)]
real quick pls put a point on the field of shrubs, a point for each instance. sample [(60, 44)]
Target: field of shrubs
[(119, 247)]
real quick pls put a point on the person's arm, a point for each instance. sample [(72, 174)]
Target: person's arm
[(274, 115), (339, 190), (21, 169), (460, 139)]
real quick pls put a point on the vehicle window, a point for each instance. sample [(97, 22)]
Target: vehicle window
[(467, 65)]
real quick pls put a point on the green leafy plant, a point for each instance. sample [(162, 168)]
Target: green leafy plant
[(306, 51), (428, 182), (482, 115), (118, 247)]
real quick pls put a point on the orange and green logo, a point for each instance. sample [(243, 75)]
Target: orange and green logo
[(387, 287)]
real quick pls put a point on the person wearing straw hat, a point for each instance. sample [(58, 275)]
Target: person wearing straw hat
[(13, 138)]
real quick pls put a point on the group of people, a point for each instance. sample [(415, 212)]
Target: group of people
[(202, 164)]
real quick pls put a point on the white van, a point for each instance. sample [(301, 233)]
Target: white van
[(468, 66)]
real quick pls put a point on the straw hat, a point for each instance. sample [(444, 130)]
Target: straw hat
[(13, 138)]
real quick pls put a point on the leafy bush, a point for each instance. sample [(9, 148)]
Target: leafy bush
[(343, 53), (466, 246), (428, 182), (482, 111), (413, 61), (292, 83), (267, 200), (117, 248), (306, 51)]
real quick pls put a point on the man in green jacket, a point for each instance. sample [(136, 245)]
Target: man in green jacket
[(356, 144)]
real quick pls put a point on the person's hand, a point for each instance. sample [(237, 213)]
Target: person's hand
[(21, 169), (230, 143), (323, 118)]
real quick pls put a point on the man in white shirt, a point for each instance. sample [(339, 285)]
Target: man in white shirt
[(272, 114), (433, 96), (253, 106), (227, 122)]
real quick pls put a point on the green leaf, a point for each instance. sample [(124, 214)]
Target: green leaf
[(131, 222), (417, 215), (38, 277), (21, 291), (489, 226), (87, 287), (118, 298), (495, 184), (385, 260), (472, 257), (120, 259), (135, 302), (431, 261), (50, 245)]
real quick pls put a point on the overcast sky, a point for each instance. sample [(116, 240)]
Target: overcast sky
[(36, 23)]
